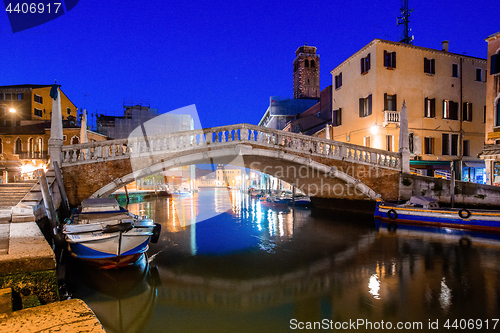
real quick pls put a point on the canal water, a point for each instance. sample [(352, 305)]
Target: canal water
[(226, 263)]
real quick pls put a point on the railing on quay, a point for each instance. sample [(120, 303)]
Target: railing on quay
[(216, 136)]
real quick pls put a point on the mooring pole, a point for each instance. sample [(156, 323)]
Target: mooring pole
[(126, 194), (452, 186), (62, 191), (48, 203), (293, 196)]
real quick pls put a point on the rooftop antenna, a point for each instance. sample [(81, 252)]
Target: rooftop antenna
[(403, 20)]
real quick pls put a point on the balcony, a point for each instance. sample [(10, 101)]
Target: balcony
[(33, 155), (391, 117)]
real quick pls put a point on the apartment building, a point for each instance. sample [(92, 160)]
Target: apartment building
[(443, 91)]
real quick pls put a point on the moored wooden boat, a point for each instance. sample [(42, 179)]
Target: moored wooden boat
[(107, 235), (426, 211)]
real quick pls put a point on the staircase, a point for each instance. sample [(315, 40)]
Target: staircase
[(12, 193)]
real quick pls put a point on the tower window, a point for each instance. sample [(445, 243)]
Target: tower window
[(389, 59), (313, 64), (306, 63)]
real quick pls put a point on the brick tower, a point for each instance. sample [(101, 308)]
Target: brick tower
[(306, 73)]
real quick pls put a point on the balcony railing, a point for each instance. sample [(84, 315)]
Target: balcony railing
[(33, 155), (391, 117)]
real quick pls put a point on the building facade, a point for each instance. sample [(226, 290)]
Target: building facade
[(491, 152), (24, 149), (443, 91), (27, 103)]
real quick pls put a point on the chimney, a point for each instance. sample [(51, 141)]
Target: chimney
[(445, 44)]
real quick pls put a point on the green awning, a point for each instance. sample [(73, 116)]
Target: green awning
[(443, 163)]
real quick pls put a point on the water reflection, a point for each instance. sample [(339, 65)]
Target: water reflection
[(253, 269)]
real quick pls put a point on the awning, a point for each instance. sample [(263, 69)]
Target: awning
[(420, 162), (474, 164)]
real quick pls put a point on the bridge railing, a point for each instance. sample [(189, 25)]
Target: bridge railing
[(194, 139)]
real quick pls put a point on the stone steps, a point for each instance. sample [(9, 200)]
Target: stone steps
[(12, 193)]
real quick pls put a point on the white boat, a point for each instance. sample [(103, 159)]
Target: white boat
[(181, 191), (108, 235)]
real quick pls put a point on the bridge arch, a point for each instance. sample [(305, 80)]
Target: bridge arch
[(245, 156), (99, 168)]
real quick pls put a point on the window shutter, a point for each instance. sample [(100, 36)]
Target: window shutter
[(386, 62), (339, 117), (433, 66), (367, 67), (395, 102), (340, 79), (470, 111), (426, 65), (385, 101), (433, 108), (453, 110), (361, 107), (362, 65), (495, 64), (393, 54), (369, 105), (426, 103)]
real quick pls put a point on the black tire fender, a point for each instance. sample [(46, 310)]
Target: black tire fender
[(392, 214), (464, 213), (156, 233)]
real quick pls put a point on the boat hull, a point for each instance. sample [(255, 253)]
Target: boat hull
[(479, 220)]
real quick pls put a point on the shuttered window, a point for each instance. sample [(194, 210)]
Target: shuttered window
[(429, 66), (390, 102), (389, 59), (365, 106), (365, 64), (495, 64)]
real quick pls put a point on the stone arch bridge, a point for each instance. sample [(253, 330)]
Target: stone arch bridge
[(320, 168)]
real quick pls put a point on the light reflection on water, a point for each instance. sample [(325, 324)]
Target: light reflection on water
[(253, 269)]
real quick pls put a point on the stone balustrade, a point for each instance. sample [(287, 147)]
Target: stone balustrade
[(94, 152), (391, 117)]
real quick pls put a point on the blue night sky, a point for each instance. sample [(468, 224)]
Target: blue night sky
[(225, 57)]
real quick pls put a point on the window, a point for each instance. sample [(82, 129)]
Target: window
[(365, 106), (38, 112), (467, 111), (497, 114), (68, 110), (389, 59), (8, 96), (365, 64), (390, 102), (338, 81), (18, 146), (65, 137), (411, 143), (389, 139), (479, 75), (466, 147), (454, 70), (495, 64), (38, 99), (19, 96), (337, 117), (429, 66), (313, 64), (306, 63), (366, 141), (430, 107), (450, 110), (450, 144), (1, 96)]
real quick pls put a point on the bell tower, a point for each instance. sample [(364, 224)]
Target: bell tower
[(306, 73)]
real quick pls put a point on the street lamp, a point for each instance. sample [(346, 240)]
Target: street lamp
[(13, 111)]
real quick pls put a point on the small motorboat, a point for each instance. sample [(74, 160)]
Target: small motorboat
[(420, 210), (301, 201), (105, 234), (278, 199), (181, 191)]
